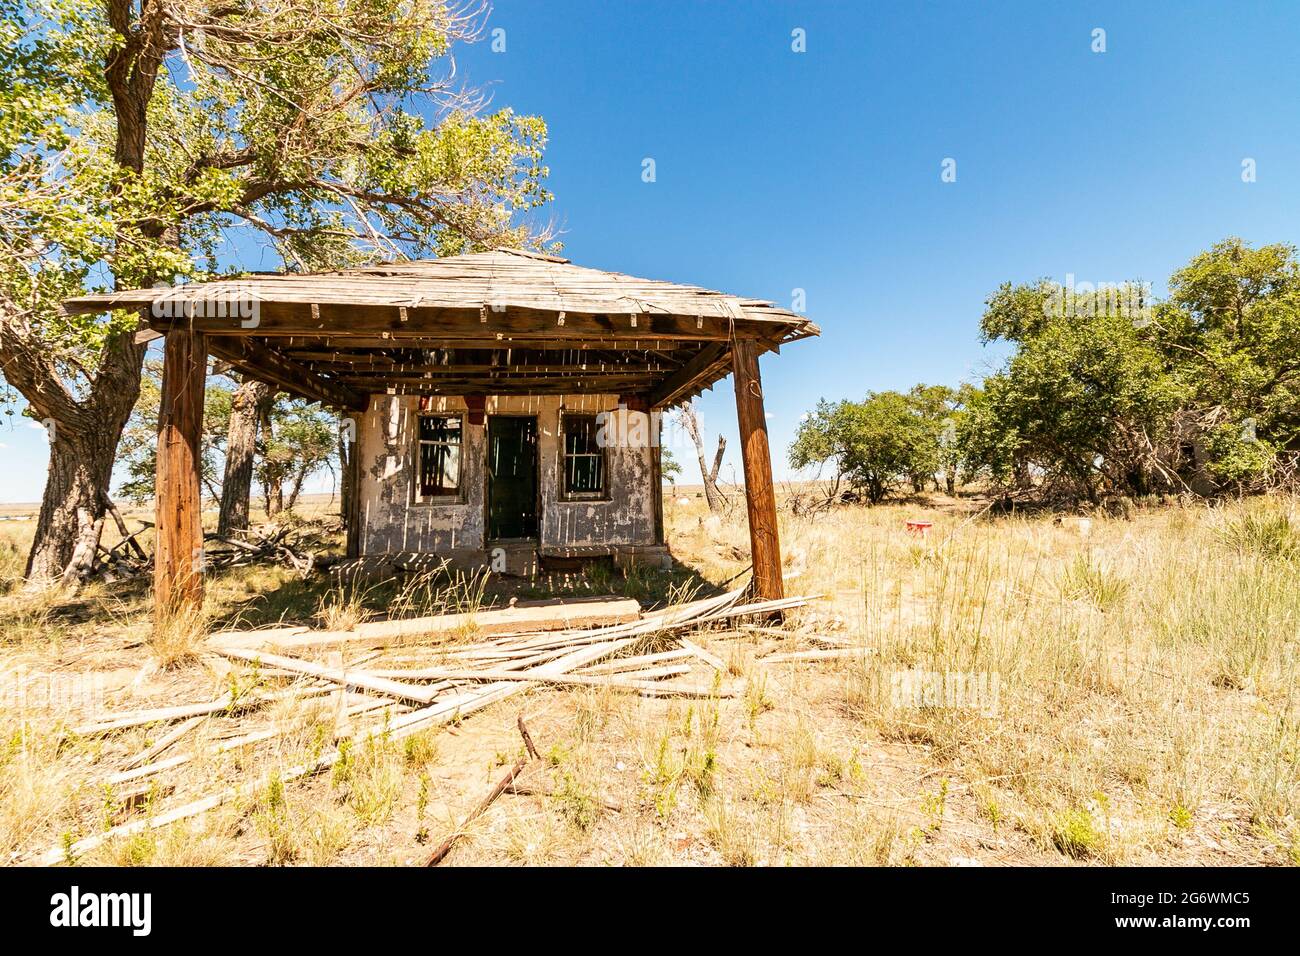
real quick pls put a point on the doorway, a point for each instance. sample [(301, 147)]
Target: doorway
[(512, 477)]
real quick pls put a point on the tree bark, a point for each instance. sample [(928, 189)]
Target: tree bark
[(83, 445), (295, 488), (241, 444), (272, 478)]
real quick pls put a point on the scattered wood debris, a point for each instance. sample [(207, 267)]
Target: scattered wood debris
[(450, 681), (524, 617), (302, 549)]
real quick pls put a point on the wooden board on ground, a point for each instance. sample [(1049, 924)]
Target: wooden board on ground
[(525, 617)]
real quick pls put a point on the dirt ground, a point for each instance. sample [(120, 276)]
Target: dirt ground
[(1138, 707)]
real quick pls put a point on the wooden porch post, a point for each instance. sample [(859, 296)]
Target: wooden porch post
[(353, 478), (178, 529), (759, 493), (657, 472)]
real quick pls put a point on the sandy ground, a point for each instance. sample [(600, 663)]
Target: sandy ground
[(1146, 716)]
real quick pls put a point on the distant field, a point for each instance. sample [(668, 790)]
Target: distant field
[(32, 508)]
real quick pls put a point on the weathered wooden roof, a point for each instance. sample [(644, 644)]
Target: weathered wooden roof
[(501, 322)]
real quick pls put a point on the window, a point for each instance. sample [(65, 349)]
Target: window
[(584, 459), (439, 456)]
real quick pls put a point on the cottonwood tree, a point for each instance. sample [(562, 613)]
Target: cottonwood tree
[(1086, 402), (296, 439), (1231, 336), (141, 136), (1195, 393), (874, 444), (937, 452)]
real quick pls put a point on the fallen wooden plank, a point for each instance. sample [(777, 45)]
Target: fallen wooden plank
[(175, 734), (235, 704), (635, 663), (256, 638), (433, 671), (655, 673), (554, 615), (339, 675), (533, 617), (654, 623), (395, 728), (717, 663), (149, 770), (535, 676), (58, 854), (465, 704), (366, 705), (600, 646)]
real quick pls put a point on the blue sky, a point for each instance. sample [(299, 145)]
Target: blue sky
[(820, 170)]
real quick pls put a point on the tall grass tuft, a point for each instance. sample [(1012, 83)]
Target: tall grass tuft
[(342, 608), (176, 637), (1088, 578), (1269, 533)]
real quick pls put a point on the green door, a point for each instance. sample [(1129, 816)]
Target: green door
[(512, 477)]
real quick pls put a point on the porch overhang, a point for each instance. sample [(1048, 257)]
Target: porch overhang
[(499, 323)]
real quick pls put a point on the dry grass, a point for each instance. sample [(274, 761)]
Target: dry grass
[(1137, 706)]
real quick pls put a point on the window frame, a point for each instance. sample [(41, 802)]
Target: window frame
[(603, 451), (447, 497)]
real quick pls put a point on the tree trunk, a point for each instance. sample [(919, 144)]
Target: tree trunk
[(241, 443), (295, 488), (84, 434), (1023, 479), (272, 477), (716, 499), (77, 473), (712, 494), (273, 499), (83, 446)]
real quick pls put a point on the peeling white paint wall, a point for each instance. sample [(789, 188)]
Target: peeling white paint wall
[(393, 521)]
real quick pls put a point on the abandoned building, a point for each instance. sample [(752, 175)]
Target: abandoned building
[(503, 406)]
